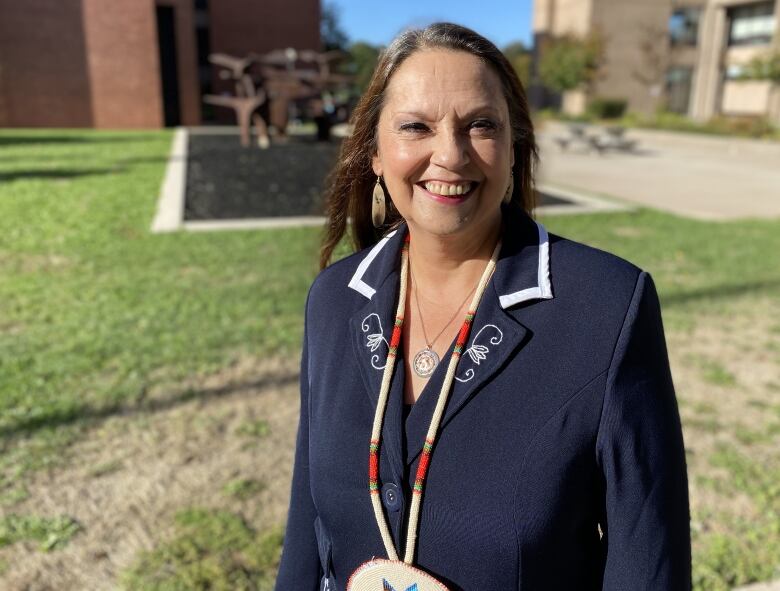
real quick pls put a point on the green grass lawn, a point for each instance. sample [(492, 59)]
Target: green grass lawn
[(95, 311), (93, 307)]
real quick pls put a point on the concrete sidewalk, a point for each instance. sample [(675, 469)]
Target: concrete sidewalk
[(700, 176)]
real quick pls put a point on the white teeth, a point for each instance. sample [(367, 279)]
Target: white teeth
[(447, 189)]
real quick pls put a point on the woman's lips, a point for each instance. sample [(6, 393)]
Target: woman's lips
[(450, 199)]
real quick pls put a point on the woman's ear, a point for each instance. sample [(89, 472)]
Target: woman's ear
[(376, 165)]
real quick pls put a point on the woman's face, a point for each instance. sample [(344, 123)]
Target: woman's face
[(444, 143)]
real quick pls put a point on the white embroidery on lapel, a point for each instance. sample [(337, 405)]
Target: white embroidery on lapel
[(373, 340), (478, 353)]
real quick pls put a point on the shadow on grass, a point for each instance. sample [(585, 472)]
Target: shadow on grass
[(78, 137), (720, 292), (78, 157), (90, 416), (122, 166), (55, 174)]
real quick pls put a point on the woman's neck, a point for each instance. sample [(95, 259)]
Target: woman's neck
[(448, 265)]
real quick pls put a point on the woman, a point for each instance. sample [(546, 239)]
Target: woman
[(530, 437)]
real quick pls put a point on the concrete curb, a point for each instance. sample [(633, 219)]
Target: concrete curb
[(253, 223), (584, 202), (170, 206)]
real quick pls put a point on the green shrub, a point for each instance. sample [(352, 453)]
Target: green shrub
[(747, 126), (765, 67), (607, 108), (756, 127)]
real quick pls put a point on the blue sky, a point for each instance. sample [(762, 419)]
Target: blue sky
[(501, 21)]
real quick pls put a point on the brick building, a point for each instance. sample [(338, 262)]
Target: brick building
[(132, 63), (684, 54)]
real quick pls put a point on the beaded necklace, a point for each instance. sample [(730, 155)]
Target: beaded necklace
[(391, 573)]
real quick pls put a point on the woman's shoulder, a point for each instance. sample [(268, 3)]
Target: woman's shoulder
[(590, 259), (582, 270), (570, 265)]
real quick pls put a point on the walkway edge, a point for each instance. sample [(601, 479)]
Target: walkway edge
[(170, 205)]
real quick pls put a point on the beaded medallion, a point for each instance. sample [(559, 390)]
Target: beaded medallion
[(379, 574)]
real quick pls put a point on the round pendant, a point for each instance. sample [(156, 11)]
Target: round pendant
[(425, 362), (379, 574)]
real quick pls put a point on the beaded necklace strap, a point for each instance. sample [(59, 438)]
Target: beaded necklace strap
[(430, 438)]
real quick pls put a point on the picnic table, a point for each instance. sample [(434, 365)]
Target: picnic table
[(609, 138)]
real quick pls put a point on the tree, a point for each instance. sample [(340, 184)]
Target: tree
[(331, 33), (569, 62), (362, 61), (520, 58), (652, 72)]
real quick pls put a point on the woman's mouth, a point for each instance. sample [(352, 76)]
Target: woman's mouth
[(451, 193)]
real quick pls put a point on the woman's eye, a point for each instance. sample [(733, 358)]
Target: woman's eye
[(414, 127), (483, 125)]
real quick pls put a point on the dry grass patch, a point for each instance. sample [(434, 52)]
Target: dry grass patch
[(725, 366), (222, 444)]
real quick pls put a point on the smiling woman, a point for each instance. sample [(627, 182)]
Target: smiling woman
[(530, 437), (444, 145), (485, 111)]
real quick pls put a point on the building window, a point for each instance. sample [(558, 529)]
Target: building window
[(678, 89), (684, 26), (752, 24), (734, 72)]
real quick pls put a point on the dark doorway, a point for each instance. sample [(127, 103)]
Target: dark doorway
[(202, 36), (169, 74)]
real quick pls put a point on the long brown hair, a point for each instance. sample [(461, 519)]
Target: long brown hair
[(351, 182)]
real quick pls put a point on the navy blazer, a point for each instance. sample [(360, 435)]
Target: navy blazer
[(562, 419)]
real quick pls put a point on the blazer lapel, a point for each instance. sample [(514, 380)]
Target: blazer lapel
[(377, 278), (521, 276)]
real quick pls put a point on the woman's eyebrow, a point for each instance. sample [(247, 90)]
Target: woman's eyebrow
[(471, 113)]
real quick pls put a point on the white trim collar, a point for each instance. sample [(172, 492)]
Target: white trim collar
[(542, 290), (357, 282)]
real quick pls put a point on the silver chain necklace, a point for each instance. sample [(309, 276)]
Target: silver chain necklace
[(426, 359)]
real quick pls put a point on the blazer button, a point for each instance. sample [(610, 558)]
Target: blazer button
[(391, 497)]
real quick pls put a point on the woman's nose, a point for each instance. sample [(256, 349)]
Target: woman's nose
[(450, 150)]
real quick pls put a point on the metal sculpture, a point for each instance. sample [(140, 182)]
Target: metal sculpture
[(277, 78)]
